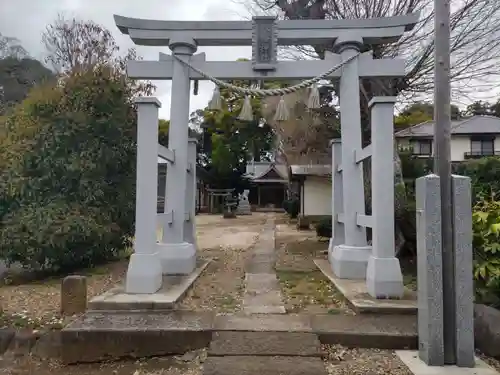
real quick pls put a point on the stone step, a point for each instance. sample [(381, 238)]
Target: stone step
[(98, 336), (241, 343), (263, 366), (365, 331)]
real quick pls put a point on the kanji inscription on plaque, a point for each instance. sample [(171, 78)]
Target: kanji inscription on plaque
[(264, 44)]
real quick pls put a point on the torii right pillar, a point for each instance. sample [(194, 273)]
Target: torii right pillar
[(350, 259)]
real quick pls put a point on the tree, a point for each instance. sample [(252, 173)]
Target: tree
[(11, 47), (18, 77), (226, 143), (414, 114), (67, 167), (164, 125), (495, 109), (74, 44), (482, 108), (234, 142), (18, 72), (304, 137), (475, 42), (420, 112)]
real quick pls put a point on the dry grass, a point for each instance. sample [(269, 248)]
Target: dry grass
[(343, 361), (36, 304), (221, 285), (309, 292), (227, 242), (304, 287)]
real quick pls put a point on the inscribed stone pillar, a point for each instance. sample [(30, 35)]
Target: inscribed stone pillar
[(144, 274), (189, 225), (464, 288), (351, 256), (383, 274), (430, 270), (338, 237), (178, 256)]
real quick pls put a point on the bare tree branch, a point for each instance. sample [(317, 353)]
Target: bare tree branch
[(475, 38), (74, 44)]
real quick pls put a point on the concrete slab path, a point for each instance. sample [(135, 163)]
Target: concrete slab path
[(262, 291)]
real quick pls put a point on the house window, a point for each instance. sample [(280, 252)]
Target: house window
[(482, 147), (422, 147)]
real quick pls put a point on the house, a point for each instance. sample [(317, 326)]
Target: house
[(313, 184), (269, 184), (473, 137)]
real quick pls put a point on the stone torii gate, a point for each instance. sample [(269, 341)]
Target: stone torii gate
[(350, 38)]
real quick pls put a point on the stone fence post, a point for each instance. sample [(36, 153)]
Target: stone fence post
[(144, 274), (338, 236), (383, 274), (189, 225)]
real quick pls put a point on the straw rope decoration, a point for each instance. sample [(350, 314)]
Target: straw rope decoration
[(281, 110)]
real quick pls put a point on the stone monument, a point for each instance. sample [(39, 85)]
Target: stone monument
[(243, 204)]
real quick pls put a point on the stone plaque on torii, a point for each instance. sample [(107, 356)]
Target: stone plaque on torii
[(348, 37)]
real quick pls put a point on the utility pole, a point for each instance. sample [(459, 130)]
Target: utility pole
[(442, 167)]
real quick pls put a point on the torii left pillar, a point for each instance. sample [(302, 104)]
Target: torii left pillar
[(178, 257)]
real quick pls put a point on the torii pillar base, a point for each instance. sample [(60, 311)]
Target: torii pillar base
[(177, 258), (350, 262), (144, 274)]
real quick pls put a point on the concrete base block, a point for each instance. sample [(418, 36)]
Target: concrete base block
[(350, 262), (331, 248), (144, 274), (419, 367), (177, 258), (384, 279)]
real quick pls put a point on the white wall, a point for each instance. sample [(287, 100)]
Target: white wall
[(316, 196), (459, 146)]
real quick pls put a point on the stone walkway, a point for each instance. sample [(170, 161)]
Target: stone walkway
[(262, 290)]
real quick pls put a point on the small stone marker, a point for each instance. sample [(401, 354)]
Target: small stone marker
[(73, 295)]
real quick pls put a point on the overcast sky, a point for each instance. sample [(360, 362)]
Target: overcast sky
[(27, 19)]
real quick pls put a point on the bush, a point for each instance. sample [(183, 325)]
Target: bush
[(67, 161), (484, 174), (292, 207), (486, 245), (413, 167), (324, 227)]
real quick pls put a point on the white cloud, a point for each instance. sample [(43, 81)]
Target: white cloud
[(27, 19)]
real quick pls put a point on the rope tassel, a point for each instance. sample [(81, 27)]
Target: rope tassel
[(313, 102), (215, 103), (246, 113), (281, 111)]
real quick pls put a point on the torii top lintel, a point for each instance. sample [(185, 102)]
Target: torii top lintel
[(288, 32)]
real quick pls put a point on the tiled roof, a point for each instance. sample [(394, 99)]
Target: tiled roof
[(471, 125)]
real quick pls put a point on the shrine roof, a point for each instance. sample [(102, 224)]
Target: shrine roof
[(266, 172)]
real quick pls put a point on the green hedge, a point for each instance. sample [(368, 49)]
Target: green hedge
[(67, 161), (324, 227), (292, 207), (484, 174)]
